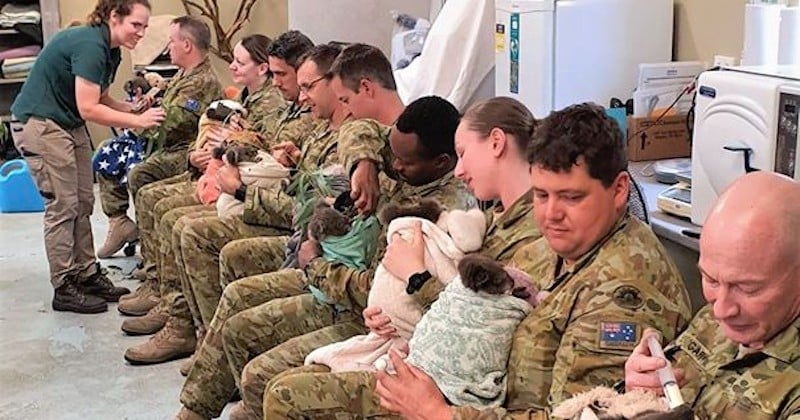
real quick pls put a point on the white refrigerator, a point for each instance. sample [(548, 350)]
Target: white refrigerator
[(554, 53)]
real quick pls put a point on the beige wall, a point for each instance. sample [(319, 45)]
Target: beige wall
[(366, 21), (268, 17), (704, 28)]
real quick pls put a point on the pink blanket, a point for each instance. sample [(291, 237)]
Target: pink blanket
[(26, 51)]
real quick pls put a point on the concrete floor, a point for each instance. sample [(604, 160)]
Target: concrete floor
[(60, 365)]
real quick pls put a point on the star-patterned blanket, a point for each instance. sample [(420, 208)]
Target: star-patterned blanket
[(119, 155)]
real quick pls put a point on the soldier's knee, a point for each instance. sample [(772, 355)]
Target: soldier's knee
[(280, 394), (161, 208), (230, 296), (229, 252), (233, 330), (189, 230), (146, 194), (137, 178), (250, 377)]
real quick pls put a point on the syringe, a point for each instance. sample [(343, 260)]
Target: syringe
[(671, 390)]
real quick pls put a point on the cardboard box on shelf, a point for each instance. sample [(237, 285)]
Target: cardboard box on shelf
[(651, 140)]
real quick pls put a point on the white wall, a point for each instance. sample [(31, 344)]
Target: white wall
[(352, 20)]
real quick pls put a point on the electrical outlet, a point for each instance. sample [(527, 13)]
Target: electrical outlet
[(724, 60)]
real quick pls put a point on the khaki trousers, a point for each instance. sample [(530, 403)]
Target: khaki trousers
[(60, 162)]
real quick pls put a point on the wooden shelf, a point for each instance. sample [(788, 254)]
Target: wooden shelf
[(12, 81)]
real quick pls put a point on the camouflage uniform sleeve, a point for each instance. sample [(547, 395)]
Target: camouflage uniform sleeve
[(340, 283), (264, 115), (297, 130), (265, 207), (365, 144), (183, 110)]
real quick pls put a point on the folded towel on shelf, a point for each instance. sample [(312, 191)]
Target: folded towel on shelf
[(26, 51), (12, 14), (20, 75), (16, 66)]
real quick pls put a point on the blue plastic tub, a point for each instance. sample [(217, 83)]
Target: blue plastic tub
[(18, 192)]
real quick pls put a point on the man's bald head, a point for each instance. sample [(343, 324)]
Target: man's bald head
[(760, 207), (750, 255)]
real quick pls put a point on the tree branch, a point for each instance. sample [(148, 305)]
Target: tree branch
[(242, 17), (210, 10)]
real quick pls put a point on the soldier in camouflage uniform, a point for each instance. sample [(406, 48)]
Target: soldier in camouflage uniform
[(607, 275), (510, 227), (265, 106), (739, 357), (266, 214), (186, 98), (280, 301), (499, 124)]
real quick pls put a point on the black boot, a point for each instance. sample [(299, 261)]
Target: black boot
[(99, 285), (69, 297)]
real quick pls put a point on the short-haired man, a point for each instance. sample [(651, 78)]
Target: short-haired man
[(189, 93), (607, 275), (740, 357), (364, 82)]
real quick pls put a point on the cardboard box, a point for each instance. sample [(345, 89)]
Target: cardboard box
[(669, 138)]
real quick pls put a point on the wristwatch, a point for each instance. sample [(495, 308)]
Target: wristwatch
[(417, 280), (241, 193)]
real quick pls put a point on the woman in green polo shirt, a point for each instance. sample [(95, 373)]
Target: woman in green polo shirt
[(68, 86)]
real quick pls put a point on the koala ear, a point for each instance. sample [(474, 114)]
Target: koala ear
[(478, 272), (389, 213), (430, 209), (466, 228), (232, 156)]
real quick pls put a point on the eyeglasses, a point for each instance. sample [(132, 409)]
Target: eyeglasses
[(306, 88)]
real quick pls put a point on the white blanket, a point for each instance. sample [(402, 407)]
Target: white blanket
[(442, 254), (266, 173)]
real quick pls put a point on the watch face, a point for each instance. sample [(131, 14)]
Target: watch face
[(417, 280)]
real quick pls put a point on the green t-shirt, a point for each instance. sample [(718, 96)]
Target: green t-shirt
[(49, 91)]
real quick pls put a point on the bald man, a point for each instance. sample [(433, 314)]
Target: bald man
[(740, 357)]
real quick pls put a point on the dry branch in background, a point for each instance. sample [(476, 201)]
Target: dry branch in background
[(210, 10)]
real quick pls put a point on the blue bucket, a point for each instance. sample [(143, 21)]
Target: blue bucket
[(18, 192)]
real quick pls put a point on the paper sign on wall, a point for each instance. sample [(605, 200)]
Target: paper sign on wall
[(499, 38)]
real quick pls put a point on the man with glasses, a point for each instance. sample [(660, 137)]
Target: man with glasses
[(210, 383)]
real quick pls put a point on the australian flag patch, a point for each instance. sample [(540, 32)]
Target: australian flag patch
[(192, 105), (618, 335)]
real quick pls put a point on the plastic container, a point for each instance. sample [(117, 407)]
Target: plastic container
[(18, 192)]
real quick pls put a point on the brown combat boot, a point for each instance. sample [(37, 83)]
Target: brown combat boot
[(187, 414), (175, 341), (151, 323), (70, 297), (140, 301), (99, 285), (121, 231)]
